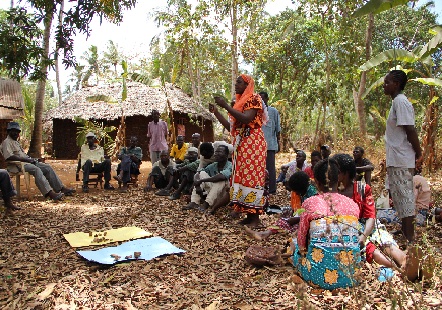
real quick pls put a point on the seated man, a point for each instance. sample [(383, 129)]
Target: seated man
[(282, 177), (179, 150), (92, 160), (363, 166), (206, 155), (130, 162), (161, 174), (7, 190), (196, 140), (46, 179), (299, 165), (185, 172), (422, 195), (214, 180), (315, 157)]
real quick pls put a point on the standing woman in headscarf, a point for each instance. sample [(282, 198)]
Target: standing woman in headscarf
[(246, 117)]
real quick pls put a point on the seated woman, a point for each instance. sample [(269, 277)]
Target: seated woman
[(326, 252), (299, 184), (379, 244)]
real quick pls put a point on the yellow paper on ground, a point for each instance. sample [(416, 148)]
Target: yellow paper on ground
[(80, 239)]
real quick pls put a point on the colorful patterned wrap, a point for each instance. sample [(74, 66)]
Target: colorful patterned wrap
[(248, 177), (333, 257)]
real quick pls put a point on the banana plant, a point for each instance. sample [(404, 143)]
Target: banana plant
[(427, 77), (102, 133), (378, 6)]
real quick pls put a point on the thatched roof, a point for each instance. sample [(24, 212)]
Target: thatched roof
[(141, 100), (11, 99)]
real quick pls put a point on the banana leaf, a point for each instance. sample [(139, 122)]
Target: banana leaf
[(378, 6), (429, 81), (373, 86), (124, 76), (433, 45), (392, 54)]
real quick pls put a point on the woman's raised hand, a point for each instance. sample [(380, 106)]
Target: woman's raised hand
[(212, 108), (220, 102)]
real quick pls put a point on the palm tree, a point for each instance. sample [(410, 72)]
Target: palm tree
[(112, 55), (37, 133), (57, 61), (92, 58)]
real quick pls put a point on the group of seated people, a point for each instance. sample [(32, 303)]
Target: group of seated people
[(333, 216), (203, 170)]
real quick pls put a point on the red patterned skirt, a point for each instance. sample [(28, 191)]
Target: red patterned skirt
[(248, 176)]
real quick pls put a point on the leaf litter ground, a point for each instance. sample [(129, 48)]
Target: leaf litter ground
[(39, 270)]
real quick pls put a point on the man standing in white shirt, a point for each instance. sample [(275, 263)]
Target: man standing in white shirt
[(403, 150)]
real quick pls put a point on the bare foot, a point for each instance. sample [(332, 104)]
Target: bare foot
[(254, 234), (147, 189), (234, 215), (411, 264)]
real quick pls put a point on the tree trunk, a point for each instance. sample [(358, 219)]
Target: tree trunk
[(37, 134), (57, 60), (357, 97), (429, 128), (234, 20)]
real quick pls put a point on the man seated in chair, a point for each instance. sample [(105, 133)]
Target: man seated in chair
[(130, 163), (214, 180), (161, 175), (46, 179), (7, 190), (92, 160)]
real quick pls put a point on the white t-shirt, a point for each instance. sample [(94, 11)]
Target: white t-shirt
[(400, 152)]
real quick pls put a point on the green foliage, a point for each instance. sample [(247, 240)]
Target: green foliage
[(101, 132), (29, 94), (124, 77), (378, 6), (20, 48), (390, 55)]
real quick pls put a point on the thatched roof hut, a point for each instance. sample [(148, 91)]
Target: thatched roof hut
[(103, 103), (11, 106)]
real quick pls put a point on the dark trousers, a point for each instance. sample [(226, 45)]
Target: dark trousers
[(159, 179), (271, 168), (128, 167), (6, 186), (189, 176), (104, 166)]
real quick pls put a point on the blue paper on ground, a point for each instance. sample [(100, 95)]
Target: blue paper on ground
[(149, 248)]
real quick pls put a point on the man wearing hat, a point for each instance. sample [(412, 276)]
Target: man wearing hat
[(92, 160), (46, 179)]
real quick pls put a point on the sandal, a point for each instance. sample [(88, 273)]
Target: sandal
[(174, 196), (69, 192), (59, 197), (163, 192)]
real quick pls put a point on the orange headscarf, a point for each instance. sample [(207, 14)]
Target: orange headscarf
[(241, 99)]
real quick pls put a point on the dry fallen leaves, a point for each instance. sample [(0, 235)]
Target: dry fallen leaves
[(39, 269)]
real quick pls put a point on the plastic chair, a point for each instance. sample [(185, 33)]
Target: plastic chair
[(17, 175), (95, 178)]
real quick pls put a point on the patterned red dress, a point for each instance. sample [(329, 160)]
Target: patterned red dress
[(249, 162)]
